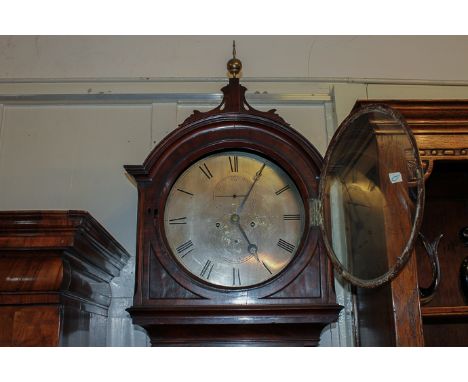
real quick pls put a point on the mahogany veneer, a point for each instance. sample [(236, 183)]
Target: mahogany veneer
[(55, 268)]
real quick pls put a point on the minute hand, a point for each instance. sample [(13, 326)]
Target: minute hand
[(257, 177)]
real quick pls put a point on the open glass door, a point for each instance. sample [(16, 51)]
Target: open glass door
[(371, 196)]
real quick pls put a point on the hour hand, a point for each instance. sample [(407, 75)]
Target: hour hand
[(251, 248)]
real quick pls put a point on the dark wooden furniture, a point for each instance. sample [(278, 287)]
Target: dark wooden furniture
[(393, 314), (55, 268), (176, 308)]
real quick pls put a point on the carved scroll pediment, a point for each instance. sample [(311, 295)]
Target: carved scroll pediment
[(233, 104)]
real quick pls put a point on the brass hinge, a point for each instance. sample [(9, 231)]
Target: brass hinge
[(315, 212)]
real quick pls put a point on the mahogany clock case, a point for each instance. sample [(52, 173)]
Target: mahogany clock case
[(291, 308), (302, 167)]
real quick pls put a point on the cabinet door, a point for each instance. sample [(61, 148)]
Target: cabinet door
[(371, 196)]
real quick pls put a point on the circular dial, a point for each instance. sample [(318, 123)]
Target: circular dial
[(234, 219)]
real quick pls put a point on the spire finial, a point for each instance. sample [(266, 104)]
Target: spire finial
[(234, 65)]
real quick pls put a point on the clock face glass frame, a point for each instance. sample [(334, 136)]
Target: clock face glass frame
[(234, 219), (372, 196)]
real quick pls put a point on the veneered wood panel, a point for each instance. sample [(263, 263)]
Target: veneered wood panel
[(55, 269), (36, 325)]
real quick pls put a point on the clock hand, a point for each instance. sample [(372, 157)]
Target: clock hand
[(252, 248), (230, 196), (257, 177)]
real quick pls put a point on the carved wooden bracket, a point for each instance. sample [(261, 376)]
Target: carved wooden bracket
[(233, 102), (428, 166)]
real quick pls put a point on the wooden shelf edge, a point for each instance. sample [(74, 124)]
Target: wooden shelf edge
[(444, 311)]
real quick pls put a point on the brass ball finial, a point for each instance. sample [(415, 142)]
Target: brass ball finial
[(234, 65)]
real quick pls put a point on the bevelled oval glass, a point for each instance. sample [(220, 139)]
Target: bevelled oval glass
[(372, 195)]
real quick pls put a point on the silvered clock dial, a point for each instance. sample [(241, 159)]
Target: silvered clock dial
[(234, 219)]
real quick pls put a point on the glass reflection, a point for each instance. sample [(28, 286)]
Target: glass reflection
[(368, 211)]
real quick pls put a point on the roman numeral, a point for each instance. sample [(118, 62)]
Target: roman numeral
[(234, 163), (266, 267), (206, 270), (292, 217), (185, 192), (187, 246), (178, 221), (280, 191), (206, 171), (236, 280), (288, 247)]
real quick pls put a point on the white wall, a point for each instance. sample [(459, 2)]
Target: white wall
[(384, 57)]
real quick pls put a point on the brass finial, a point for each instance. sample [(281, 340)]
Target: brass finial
[(234, 65)]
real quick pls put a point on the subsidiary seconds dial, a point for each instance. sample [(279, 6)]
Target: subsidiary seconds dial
[(234, 219)]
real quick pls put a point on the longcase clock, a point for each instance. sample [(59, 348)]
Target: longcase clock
[(227, 251), (239, 220)]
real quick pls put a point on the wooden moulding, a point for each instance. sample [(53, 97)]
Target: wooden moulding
[(440, 127), (444, 311), (286, 325), (52, 263)]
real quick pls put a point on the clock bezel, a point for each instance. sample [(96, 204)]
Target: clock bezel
[(400, 262), (268, 278), (262, 137)]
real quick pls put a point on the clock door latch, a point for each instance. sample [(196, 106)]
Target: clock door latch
[(315, 213)]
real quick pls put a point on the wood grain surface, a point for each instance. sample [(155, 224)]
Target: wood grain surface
[(55, 268), (441, 132)]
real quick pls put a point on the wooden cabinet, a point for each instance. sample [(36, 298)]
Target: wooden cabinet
[(55, 269), (394, 314)]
